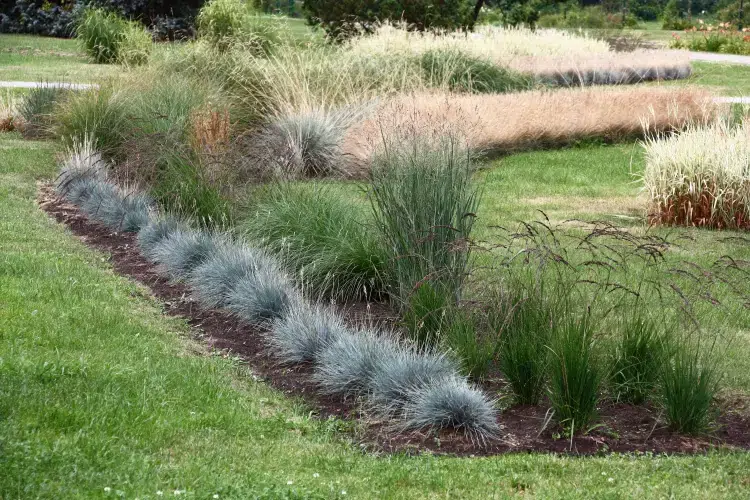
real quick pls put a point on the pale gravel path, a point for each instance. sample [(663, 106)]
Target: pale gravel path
[(720, 58), (61, 85)]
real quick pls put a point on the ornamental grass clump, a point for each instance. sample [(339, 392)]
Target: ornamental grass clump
[(690, 380), (321, 237), (347, 366), (304, 332), (37, 107), (575, 375), (184, 250), (424, 203), (396, 377), (213, 280), (156, 231), (82, 168), (451, 403), (639, 356), (262, 295), (700, 177)]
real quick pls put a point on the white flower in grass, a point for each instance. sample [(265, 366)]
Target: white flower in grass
[(159, 493), (316, 475), (290, 483), (611, 480), (107, 489), (178, 492), (343, 492), (216, 495)]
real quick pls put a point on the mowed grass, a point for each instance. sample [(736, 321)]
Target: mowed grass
[(33, 58), (102, 395)]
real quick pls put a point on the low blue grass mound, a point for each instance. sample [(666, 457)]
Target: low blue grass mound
[(396, 377), (451, 403), (262, 296), (157, 230), (137, 209), (217, 277), (304, 332), (183, 251), (346, 366)]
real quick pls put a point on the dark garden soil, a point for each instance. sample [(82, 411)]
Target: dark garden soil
[(620, 427)]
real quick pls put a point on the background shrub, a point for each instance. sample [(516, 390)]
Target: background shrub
[(134, 45), (224, 23), (346, 17), (99, 33)]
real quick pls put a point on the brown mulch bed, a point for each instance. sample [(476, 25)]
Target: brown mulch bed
[(620, 428)]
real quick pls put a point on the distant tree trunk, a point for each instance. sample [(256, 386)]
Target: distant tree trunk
[(477, 8)]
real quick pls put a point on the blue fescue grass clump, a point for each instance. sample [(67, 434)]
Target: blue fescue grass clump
[(347, 366), (105, 202), (261, 296), (407, 370), (183, 251), (304, 332), (217, 277), (451, 403), (137, 209), (156, 231)]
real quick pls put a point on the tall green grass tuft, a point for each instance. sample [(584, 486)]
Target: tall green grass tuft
[(424, 202), (524, 353), (326, 240), (575, 376), (99, 115), (638, 358), (690, 380)]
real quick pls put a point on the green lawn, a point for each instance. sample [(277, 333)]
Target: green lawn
[(105, 396), (34, 58)]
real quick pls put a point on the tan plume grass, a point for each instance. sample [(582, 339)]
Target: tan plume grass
[(559, 57), (700, 177), (501, 123)]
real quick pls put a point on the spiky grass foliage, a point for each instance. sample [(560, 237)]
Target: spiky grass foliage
[(262, 296), (183, 185), (81, 169), (347, 366), (307, 143), (397, 376), (700, 177), (474, 341), (214, 280), (524, 356), (99, 33), (304, 332), (134, 44), (575, 376), (459, 72), (156, 231), (100, 115), (322, 237), (37, 108), (689, 382), (451, 403), (638, 358), (424, 202), (119, 210), (427, 312), (184, 250)]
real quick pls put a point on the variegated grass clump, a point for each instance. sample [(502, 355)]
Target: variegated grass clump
[(700, 177)]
